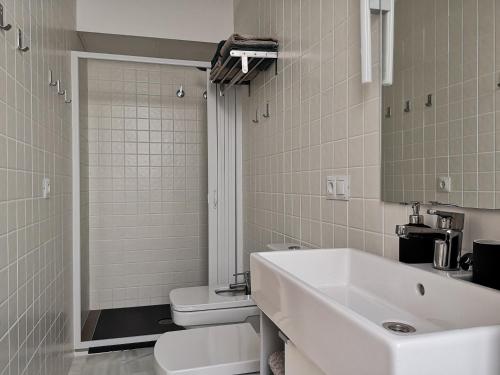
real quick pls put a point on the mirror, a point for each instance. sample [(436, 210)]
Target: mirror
[(440, 128)]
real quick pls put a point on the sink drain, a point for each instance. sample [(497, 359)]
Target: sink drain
[(399, 327)]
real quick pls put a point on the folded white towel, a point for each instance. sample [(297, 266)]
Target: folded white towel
[(276, 362)]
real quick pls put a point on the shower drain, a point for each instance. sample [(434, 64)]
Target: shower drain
[(165, 321), (399, 327)]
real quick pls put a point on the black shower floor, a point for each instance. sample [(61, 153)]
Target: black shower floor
[(133, 321)]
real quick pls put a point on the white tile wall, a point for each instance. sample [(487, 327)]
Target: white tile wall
[(323, 121), (35, 233), (147, 182)]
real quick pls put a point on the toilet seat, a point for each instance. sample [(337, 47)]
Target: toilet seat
[(219, 350), (199, 306)]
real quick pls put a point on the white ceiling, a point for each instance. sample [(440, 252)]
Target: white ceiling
[(194, 20)]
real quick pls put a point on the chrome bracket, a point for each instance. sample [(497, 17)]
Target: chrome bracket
[(3, 26), (20, 45)]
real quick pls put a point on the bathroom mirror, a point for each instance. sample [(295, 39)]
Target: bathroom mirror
[(440, 128)]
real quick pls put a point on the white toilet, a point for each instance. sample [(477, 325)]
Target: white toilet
[(218, 340), (230, 349), (202, 306)]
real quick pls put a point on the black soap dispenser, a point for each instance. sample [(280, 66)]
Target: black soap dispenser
[(418, 248)]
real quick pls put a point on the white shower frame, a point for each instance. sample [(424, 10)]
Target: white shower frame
[(78, 344)]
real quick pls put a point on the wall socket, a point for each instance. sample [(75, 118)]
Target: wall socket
[(444, 184), (338, 187)]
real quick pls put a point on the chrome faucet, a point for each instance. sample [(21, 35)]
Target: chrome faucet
[(247, 284), (448, 241)]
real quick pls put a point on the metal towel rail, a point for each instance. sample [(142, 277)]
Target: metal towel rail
[(237, 69)]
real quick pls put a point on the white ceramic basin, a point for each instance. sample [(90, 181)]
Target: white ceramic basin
[(332, 305)]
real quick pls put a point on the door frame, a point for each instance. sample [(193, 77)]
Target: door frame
[(78, 344)]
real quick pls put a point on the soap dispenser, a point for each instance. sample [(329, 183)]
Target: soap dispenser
[(418, 248)]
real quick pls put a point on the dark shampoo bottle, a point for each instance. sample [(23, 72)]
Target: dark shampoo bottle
[(416, 249)]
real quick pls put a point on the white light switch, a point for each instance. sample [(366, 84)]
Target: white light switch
[(338, 187), (330, 186), (46, 188)]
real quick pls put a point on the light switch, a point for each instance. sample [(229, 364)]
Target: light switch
[(46, 188), (330, 186), (338, 187)]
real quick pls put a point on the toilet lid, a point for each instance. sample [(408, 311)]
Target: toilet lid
[(219, 350), (201, 298)]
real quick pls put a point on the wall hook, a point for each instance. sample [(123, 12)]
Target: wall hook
[(388, 112), (180, 92), (51, 79), (266, 115), (428, 103), (20, 46), (66, 100), (407, 106), (59, 89), (256, 120), (3, 26)]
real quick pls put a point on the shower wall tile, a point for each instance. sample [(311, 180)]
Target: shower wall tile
[(147, 182), (35, 233)]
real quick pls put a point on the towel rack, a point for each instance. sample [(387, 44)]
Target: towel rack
[(237, 69), (244, 55)]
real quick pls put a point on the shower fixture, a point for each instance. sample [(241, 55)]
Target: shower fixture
[(180, 93)]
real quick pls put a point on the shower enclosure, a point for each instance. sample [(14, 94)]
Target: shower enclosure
[(152, 139)]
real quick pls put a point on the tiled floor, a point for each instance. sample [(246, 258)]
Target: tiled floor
[(127, 362)]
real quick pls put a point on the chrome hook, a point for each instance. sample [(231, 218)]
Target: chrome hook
[(428, 103), (59, 89), (51, 79), (256, 120), (66, 100), (20, 42), (3, 26), (266, 115), (407, 108)]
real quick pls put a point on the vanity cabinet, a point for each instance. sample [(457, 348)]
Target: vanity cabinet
[(273, 340), (298, 364)]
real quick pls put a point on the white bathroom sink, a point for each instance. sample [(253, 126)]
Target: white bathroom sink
[(332, 304)]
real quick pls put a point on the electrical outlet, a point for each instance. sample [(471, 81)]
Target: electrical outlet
[(444, 184)]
